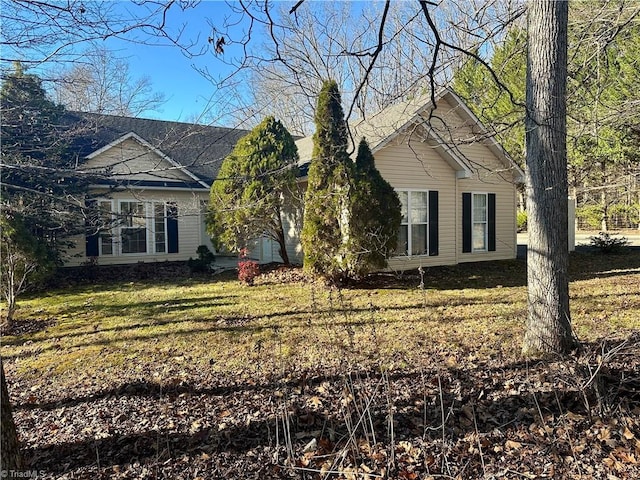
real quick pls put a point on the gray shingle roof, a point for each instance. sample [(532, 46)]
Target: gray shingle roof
[(377, 128), (383, 126), (199, 148)]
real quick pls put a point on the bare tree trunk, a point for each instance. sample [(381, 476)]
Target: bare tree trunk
[(549, 322), (10, 288), (10, 450), (282, 244), (604, 222)]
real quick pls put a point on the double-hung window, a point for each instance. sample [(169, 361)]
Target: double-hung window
[(160, 227), (129, 227), (478, 222), (133, 227), (418, 227)]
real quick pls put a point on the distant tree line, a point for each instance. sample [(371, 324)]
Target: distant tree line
[(603, 112)]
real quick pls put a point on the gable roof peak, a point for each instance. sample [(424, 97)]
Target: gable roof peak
[(196, 147)]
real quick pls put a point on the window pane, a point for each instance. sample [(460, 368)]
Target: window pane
[(132, 214), (106, 244), (159, 228), (404, 200), (418, 239), (479, 236), (419, 207), (134, 227), (479, 207), (106, 223), (403, 237), (134, 240)]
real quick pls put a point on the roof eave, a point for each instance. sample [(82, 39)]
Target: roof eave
[(489, 139), (146, 144)]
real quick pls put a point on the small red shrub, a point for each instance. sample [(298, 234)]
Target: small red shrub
[(248, 269)]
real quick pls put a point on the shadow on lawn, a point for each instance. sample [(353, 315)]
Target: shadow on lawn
[(501, 398), (242, 325), (584, 264), (149, 309), (504, 273)]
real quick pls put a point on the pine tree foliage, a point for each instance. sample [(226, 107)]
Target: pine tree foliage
[(602, 105), (255, 189), (352, 215), (326, 232), (490, 102), (376, 213), (39, 181)]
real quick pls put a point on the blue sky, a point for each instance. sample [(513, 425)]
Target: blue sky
[(171, 72)]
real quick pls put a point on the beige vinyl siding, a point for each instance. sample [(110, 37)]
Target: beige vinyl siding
[(492, 178), (190, 231), (505, 220), (488, 175), (292, 230), (417, 166), (132, 161)]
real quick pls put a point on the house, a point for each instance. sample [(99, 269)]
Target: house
[(456, 183), (152, 186)]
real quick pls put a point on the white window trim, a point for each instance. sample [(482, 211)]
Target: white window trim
[(114, 242), (410, 223), (485, 222), (150, 227), (153, 228), (120, 228)]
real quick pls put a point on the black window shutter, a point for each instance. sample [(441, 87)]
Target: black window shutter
[(433, 224), (92, 245), (172, 228), (92, 235), (491, 224), (466, 223)]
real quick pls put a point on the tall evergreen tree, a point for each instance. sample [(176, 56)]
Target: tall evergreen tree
[(254, 184), (38, 175), (326, 232), (376, 214), (499, 109), (602, 152)]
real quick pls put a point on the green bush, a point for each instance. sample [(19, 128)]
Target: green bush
[(202, 264), (521, 221), (590, 216), (624, 216), (608, 244)]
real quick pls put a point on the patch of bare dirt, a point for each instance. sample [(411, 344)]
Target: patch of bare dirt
[(25, 326), (279, 274)]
